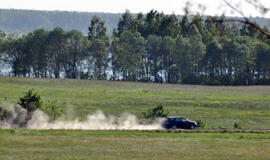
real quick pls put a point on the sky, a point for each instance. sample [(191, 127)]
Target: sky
[(213, 7)]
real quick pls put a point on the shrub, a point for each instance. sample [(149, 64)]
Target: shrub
[(53, 109), (156, 112), (30, 101), (236, 125), (200, 123), (2, 114)]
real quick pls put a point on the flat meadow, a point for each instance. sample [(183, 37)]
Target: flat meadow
[(219, 107), (84, 145)]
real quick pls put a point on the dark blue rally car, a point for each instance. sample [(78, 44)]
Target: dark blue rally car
[(178, 122)]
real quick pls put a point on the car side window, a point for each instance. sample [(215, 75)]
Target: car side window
[(170, 119), (177, 119), (183, 120)]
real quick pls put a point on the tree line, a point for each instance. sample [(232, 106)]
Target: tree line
[(150, 48)]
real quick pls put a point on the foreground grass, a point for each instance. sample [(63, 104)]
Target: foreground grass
[(217, 106), (72, 144)]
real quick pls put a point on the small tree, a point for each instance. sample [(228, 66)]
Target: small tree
[(53, 109), (156, 112), (30, 101), (236, 125)]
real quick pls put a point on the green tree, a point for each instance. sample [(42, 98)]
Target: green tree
[(152, 23), (2, 40), (36, 48), (30, 101), (56, 48), (125, 23), (76, 53), (16, 54), (97, 30), (2, 36), (262, 63), (127, 56), (167, 47), (185, 25), (99, 48), (222, 26), (169, 26), (138, 24), (213, 61), (247, 30), (182, 58), (210, 27), (198, 22), (154, 57), (239, 59), (197, 51)]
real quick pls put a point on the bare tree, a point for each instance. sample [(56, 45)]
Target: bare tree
[(257, 4), (245, 20)]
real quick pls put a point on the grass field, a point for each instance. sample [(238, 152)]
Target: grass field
[(217, 106), (152, 145)]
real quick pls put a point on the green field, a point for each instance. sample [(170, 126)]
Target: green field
[(217, 106), (110, 145)]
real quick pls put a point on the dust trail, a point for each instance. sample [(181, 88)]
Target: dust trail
[(13, 117), (96, 121)]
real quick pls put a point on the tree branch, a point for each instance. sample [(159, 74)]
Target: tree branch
[(246, 20), (259, 5), (254, 25)]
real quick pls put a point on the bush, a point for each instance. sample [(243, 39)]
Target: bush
[(53, 109), (156, 112), (236, 125), (30, 101), (2, 114), (200, 123)]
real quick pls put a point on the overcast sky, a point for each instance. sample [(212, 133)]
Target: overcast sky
[(213, 7)]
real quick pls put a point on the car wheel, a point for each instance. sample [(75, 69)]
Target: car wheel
[(173, 127), (192, 127)]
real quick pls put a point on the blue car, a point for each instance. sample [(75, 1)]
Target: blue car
[(178, 123)]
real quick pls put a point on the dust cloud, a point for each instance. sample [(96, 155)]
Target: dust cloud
[(18, 118)]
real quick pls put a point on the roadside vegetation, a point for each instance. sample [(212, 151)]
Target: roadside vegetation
[(23, 110), (157, 112)]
